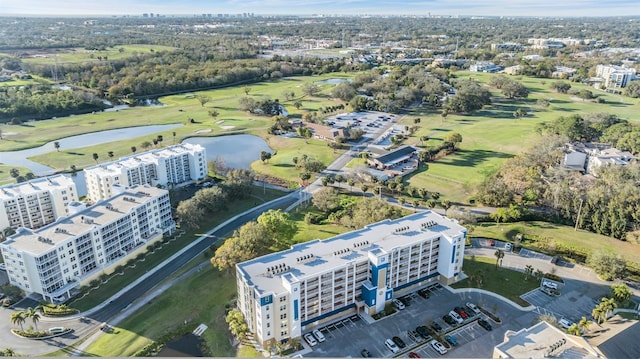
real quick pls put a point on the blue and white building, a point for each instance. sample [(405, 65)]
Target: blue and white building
[(283, 293)]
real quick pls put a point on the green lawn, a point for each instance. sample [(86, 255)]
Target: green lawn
[(550, 237), (81, 55), (506, 282), (492, 135), (5, 178), (178, 109)]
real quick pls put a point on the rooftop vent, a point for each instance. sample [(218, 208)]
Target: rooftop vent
[(428, 224), (401, 229)]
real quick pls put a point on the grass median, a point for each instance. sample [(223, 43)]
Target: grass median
[(484, 274)]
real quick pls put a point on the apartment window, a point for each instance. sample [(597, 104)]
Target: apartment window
[(283, 333), (283, 316), (268, 324), (283, 307), (267, 316)]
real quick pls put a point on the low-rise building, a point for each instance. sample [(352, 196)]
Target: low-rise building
[(326, 132), (282, 294), (485, 66), (398, 157), (589, 157), (55, 259), (36, 203), (169, 166)]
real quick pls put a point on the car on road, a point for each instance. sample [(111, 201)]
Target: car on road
[(449, 320), (399, 342), (456, 317), (508, 247), (461, 312), (319, 336), (439, 347), (413, 355), (3, 266), (436, 326), (365, 353), (310, 339), (483, 323), (424, 293), (391, 346), (473, 307), (565, 323), (451, 339), (423, 332), (398, 304)]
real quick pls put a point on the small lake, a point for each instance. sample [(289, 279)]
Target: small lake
[(238, 151), (187, 346), (334, 81), (20, 158)]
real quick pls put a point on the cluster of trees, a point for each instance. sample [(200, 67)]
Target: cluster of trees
[(470, 96), (608, 266), (509, 88), (308, 164), (15, 173), (448, 146), (608, 205), (348, 211), (209, 201), (264, 106), (41, 101), (633, 89), (273, 230), (19, 318)]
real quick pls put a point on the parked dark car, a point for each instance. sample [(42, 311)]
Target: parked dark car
[(399, 342), (365, 353), (424, 293), (449, 320), (483, 323), (451, 339), (436, 326), (414, 355), (423, 332), (405, 300)]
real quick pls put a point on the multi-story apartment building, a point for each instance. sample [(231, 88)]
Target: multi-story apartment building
[(55, 259), (36, 203), (614, 77), (280, 294), (168, 166)]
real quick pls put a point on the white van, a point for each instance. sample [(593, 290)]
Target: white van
[(391, 345)]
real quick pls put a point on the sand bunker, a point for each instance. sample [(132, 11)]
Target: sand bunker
[(227, 127)]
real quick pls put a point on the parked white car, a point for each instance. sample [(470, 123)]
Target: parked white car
[(319, 336), (391, 345), (456, 317), (310, 339), (438, 347), (565, 323), (508, 247), (473, 307), (549, 284), (3, 266), (398, 304)]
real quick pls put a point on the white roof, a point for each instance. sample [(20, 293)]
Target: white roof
[(39, 185)]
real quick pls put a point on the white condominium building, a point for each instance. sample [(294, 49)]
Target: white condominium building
[(281, 293), (615, 76), (70, 252), (36, 203), (168, 166)]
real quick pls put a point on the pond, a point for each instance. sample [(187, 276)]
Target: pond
[(187, 346), (237, 151), (20, 158), (334, 81)]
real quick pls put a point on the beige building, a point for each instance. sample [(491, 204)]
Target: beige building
[(36, 203)]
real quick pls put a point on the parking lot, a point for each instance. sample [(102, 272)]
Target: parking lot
[(373, 124), (350, 335), (571, 305)]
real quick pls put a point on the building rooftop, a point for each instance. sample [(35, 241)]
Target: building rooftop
[(41, 240), (38, 185), (616, 338), (541, 341), (401, 152), (268, 272)]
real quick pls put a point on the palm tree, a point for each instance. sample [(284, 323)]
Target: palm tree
[(608, 305), (598, 314), (18, 318), (95, 157), (499, 255), (584, 324), (573, 330), (8, 352), (34, 315), (57, 146), (110, 154), (174, 137), (134, 149), (528, 271)]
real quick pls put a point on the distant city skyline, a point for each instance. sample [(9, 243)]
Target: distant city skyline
[(547, 8)]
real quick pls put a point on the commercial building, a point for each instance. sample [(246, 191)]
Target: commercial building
[(36, 203), (55, 259), (168, 166), (282, 293), (485, 66)]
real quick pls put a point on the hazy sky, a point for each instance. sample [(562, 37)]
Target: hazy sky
[(375, 7)]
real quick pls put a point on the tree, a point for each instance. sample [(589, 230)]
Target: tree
[(18, 318), (470, 96), (145, 144), (265, 156), (528, 271), (311, 89), (189, 213), (57, 146), (297, 105), (133, 149), (34, 314), (95, 157), (213, 113), (621, 293), (110, 154), (574, 330), (14, 172), (246, 90), (608, 266), (237, 325), (500, 215), (305, 176), (364, 188), (499, 255), (203, 99), (584, 324), (454, 139), (279, 225), (607, 305), (326, 199), (599, 315), (561, 86)]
